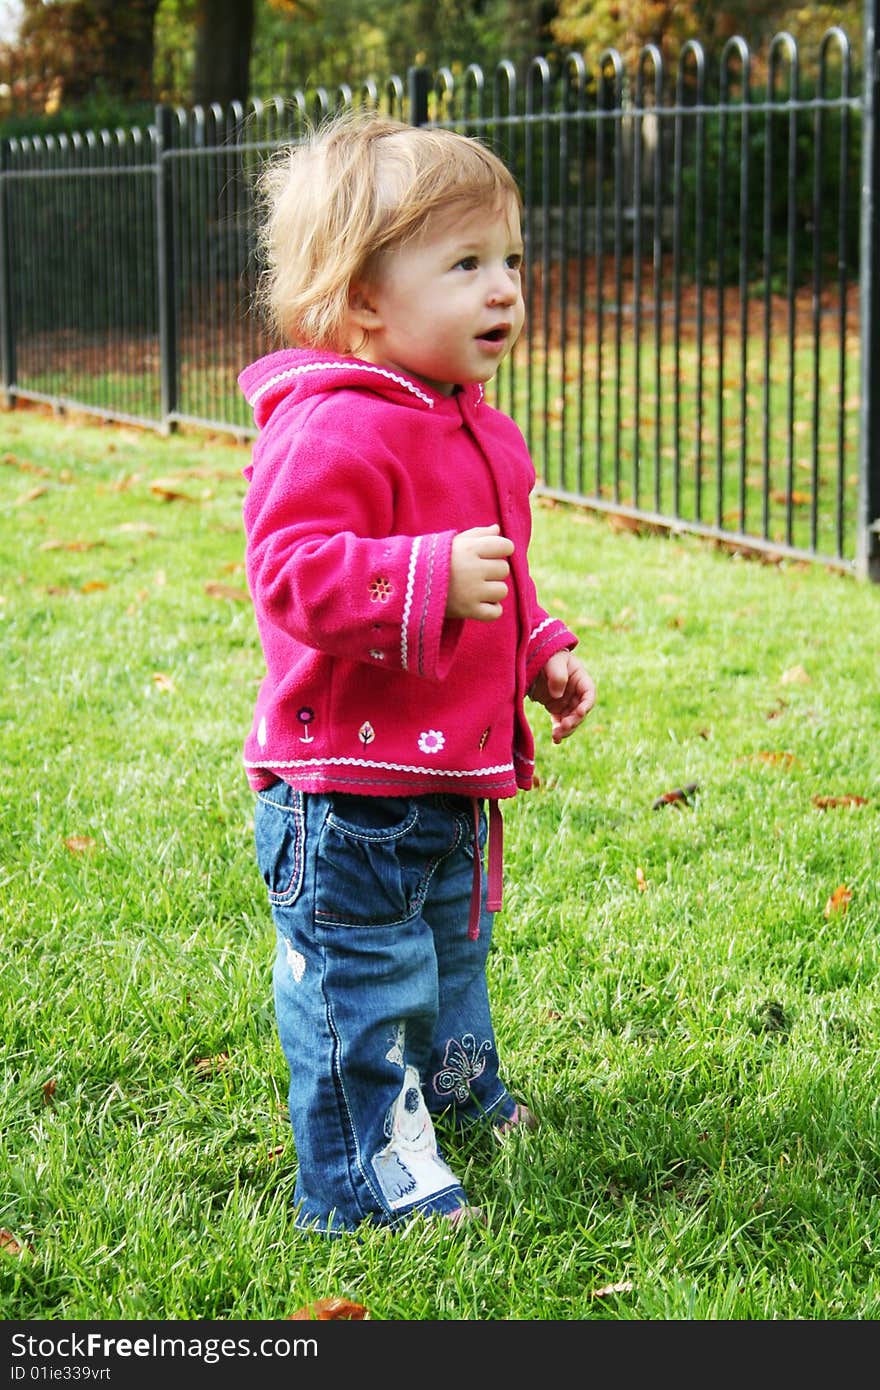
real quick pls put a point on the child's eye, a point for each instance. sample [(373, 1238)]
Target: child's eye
[(514, 261), (467, 263)]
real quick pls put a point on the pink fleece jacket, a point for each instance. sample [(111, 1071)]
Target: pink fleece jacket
[(359, 480)]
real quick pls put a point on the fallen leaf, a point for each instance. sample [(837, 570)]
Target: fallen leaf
[(641, 881), (619, 522), (217, 590), (30, 496), (825, 803), (162, 682), (170, 494), (624, 1286), (797, 499), (138, 528), (26, 466), (839, 901), (92, 586), (79, 844), (49, 1092), (71, 545), (325, 1309), (795, 675), (206, 1065), (678, 796), (9, 1245), (776, 755)]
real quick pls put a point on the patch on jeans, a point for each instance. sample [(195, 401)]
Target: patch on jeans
[(409, 1168), (395, 1051), (296, 962), (463, 1061)]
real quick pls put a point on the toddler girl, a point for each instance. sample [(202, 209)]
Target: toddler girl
[(387, 525)]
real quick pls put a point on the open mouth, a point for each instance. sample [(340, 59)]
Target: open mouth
[(495, 335)]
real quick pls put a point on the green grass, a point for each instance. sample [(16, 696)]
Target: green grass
[(695, 1032)]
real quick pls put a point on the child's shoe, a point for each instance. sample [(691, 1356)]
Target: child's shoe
[(522, 1118), (465, 1216)]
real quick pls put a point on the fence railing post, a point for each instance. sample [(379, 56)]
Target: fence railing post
[(7, 326), (868, 538), (418, 91), (168, 328)]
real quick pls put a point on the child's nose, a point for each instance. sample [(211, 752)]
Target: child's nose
[(504, 289)]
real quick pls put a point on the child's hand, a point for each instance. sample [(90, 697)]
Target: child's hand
[(477, 570), (566, 690)]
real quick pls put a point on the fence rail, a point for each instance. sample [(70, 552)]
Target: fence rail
[(701, 344)]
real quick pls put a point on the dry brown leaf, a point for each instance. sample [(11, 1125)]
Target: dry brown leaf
[(92, 586), (326, 1308), (214, 589), (678, 796), (199, 471), (171, 494), (618, 522), (206, 1065), (9, 1245), (641, 881), (162, 682), (49, 1092), (839, 901), (26, 466), (826, 803), (776, 755), (30, 496), (71, 545), (79, 844), (624, 1286), (797, 499)]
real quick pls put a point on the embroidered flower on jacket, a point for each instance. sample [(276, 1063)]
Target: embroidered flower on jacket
[(431, 740), (380, 589), (463, 1061)]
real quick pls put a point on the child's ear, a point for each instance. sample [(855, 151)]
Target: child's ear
[(361, 310)]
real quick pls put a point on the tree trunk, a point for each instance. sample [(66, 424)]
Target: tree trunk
[(113, 47), (224, 32)]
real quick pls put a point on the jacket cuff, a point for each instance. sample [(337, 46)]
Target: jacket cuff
[(428, 638), (548, 638)]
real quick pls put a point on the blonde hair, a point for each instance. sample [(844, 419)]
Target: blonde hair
[(357, 186)]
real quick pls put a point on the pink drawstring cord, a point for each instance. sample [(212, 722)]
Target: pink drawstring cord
[(495, 870)]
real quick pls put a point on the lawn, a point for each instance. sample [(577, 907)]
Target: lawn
[(685, 972)]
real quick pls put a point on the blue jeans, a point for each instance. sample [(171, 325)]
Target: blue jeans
[(381, 998)]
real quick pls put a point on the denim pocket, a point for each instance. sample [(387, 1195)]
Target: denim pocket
[(372, 867), (279, 835)]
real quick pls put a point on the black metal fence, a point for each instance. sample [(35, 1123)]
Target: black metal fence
[(701, 345)]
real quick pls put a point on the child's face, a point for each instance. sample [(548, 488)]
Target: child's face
[(447, 307)]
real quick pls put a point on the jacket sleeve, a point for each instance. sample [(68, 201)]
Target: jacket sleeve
[(546, 637), (324, 565)]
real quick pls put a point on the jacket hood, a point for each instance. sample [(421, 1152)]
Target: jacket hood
[(295, 374)]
